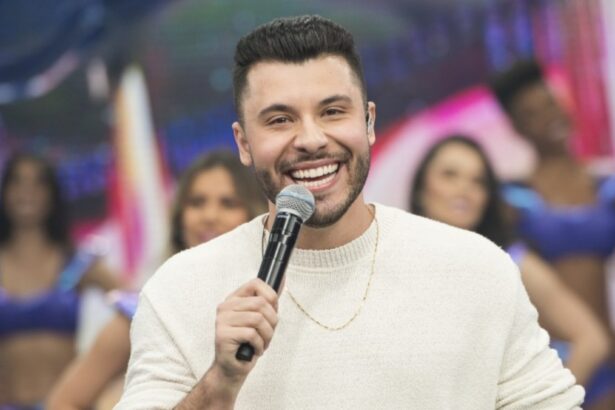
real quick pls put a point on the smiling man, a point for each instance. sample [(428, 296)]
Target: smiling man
[(380, 310)]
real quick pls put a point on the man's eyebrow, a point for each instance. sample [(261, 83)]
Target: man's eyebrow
[(276, 108), (335, 98)]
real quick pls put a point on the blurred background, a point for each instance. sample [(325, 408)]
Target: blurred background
[(122, 94)]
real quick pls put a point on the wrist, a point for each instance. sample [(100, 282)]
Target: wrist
[(221, 388)]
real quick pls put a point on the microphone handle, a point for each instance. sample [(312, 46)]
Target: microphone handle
[(281, 242)]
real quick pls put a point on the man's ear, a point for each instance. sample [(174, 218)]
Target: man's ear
[(242, 144), (371, 121)]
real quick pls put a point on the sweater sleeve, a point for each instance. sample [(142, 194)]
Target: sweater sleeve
[(532, 375), (158, 375)]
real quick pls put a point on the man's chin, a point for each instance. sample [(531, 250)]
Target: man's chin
[(320, 223), (324, 218)]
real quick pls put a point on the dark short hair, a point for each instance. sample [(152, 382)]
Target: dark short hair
[(493, 224), (293, 40), (507, 84), (246, 188), (57, 224)]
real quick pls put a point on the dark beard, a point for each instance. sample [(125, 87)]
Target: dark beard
[(358, 176)]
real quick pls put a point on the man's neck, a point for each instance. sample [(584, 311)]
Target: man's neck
[(350, 226)]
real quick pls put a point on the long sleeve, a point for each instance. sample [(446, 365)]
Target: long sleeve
[(158, 375), (532, 376)]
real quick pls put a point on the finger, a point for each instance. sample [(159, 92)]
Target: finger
[(257, 287), (251, 304), (250, 320), (232, 337)]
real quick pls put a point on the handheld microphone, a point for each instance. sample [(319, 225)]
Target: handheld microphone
[(295, 205)]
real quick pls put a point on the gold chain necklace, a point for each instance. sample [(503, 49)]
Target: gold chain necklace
[(369, 282)]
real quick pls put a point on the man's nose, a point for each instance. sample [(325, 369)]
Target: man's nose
[(310, 137)]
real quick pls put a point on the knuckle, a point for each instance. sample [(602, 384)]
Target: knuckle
[(222, 307), (257, 319), (261, 302)]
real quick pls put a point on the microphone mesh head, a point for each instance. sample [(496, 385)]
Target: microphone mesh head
[(296, 199)]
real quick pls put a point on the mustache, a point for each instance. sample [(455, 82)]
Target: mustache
[(288, 164)]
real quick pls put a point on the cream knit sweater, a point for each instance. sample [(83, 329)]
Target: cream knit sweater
[(447, 325)]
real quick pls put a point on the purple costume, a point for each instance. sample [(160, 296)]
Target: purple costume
[(560, 231), (54, 310)]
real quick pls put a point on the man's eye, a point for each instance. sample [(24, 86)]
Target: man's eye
[(278, 120), (332, 111)]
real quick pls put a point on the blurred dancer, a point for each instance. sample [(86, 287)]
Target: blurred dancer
[(456, 184), (41, 276), (563, 212), (215, 195)]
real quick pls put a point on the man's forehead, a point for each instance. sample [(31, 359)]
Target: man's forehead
[(269, 77)]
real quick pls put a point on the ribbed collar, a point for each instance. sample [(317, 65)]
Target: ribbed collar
[(344, 255)]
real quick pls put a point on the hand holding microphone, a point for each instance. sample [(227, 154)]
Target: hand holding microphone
[(294, 205), (248, 316)]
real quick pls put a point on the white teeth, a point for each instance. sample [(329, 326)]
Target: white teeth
[(316, 184), (315, 172)]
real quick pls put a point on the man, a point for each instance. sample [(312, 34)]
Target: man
[(380, 309)]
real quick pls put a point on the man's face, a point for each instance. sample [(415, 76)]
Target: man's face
[(306, 124), (538, 117)]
